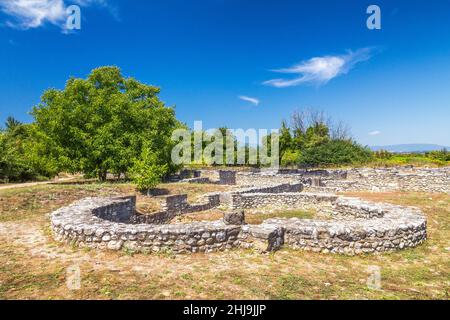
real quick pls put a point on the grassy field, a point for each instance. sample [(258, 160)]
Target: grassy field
[(33, 266)]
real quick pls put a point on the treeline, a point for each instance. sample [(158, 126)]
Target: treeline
[(109, 124), (434, 158), (233, 152), (442, 155), (310, 139)]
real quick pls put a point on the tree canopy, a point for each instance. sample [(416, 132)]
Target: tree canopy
[(106, 124), (22, 154)]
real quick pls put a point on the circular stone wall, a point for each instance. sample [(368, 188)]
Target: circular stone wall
[(107, 223), (356, 227)]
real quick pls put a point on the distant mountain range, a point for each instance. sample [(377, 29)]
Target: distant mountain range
[(406, 148)]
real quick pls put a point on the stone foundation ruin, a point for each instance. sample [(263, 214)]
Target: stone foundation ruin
[(354, 226), (224, 177), (358, 179)]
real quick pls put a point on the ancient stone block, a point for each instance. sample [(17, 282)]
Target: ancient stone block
[(234, 218)]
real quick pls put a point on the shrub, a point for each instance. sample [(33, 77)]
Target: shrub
[(335, 152), (290, 158), (442, 155), (147, 172)]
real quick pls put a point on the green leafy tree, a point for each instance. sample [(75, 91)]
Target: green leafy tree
[(285, 139), (316, 135), (22, 156), (10, 166), (101, 124), (12, 125), (148, 171)]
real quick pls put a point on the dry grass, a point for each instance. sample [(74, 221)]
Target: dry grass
[(253, 217), (33, 266), (147, 204)]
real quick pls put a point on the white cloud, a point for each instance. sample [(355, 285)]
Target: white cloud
[(27, 14), (250, 99), (375, 133), (320, 70)]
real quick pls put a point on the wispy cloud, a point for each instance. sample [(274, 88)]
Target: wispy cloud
[(250, 99), (320, 70), (28, 14), (374, 133)]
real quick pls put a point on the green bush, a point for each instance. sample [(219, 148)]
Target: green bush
[(148, 171), (335, 152), (442, 155), (290, 158)]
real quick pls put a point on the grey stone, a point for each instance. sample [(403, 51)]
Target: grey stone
[(234, 218)]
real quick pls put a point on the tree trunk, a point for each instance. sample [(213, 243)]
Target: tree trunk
[(102, 176)]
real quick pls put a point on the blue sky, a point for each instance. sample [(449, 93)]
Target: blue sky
[(246, 63)]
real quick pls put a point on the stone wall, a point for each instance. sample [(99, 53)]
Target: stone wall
[(330, 174), (296, 200), (198, 180), (388, 228), (382, 180), (78, 225), (184, 175), (227, 177), (121, 210), (263, 238), (361, 179), (226, 198), (264, 178), (356, 227), (272, 188), (404, 179), (177, 205), (287, 176)]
